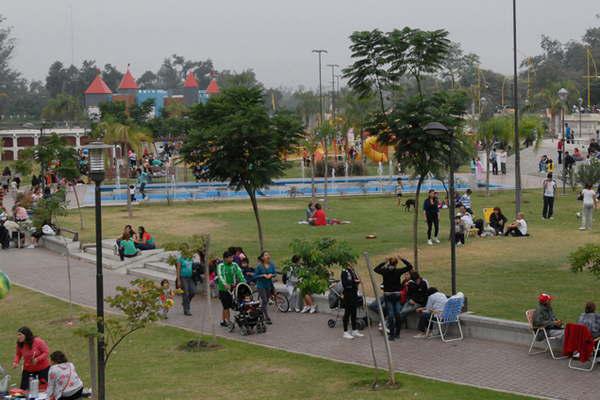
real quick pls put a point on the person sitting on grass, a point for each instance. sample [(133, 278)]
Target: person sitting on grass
[(459, 230), (127, 247), (544, 317), (63, 381), (310, 211), (436, 301), (228, 275), (465, 200), (416, 296), (320, 218), (518, 228), (591, 319), (146, 241), (497, 221)]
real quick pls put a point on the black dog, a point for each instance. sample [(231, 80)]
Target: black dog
[(408, 204)]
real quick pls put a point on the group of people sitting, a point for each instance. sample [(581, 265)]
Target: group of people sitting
[(406, 292), (316, 216), (130, 243)]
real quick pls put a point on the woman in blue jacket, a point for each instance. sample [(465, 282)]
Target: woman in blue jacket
[(263, 276)]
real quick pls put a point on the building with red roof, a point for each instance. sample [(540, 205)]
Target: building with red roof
[(128, 84), (213, 87), (98, 92), (190, 89)]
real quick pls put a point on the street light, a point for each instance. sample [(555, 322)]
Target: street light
[(320, 53), (440, 130), (562, 96), (580, 101), (96, 173)]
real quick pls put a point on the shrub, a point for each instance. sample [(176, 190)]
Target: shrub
[(355, 168), (588, 174), (586, 257)]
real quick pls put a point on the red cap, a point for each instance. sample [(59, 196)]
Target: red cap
[(544, 298)]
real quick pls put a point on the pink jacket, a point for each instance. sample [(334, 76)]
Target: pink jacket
[(38, 351)]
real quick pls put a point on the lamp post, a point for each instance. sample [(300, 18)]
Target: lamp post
[(580, 102), (516, 108), (320, 53), (562, 96), (96, 173), (438, 129)]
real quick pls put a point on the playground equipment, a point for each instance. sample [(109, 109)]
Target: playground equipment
[(375, 151)]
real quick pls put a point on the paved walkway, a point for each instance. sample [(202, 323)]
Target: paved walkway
[(473, 362)]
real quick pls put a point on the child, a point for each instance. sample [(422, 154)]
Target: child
[(167, 296), (132, 193), (247, 270)]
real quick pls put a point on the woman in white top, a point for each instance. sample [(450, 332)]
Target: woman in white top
[(589, 203), (63, 381)]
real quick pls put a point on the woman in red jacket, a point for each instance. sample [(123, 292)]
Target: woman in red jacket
[(34, 353)]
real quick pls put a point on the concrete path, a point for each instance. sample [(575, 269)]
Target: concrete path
[(472, 362)]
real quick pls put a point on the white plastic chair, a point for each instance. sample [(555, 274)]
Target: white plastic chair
[(547, 338), (450, 315)]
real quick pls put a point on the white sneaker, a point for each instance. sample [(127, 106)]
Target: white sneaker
[(313, 309), (582, 228), (305, 309), (357, 334), (458, 244), (429, 242), (420, 336), (347, 335), (436, 240), (31, 246), (297, 310)]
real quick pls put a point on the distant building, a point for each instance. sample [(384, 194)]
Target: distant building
[(129, 93)]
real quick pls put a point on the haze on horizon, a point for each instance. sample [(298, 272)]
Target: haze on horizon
[(274, 38)]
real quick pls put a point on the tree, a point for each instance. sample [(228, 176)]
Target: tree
[(588, 174), (236, 140), (246, 78), (493, 130), (112, 76), (63, 107), (586, 257), (148, 80), (355, 113)]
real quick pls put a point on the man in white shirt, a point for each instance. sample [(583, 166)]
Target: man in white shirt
[(549, 187), (436, 301), (518, 227)]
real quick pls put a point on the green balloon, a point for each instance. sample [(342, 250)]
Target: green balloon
[(4, 285)]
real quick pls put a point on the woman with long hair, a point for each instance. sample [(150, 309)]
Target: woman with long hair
[(33, 351), (432, 211), (145, 240), (63, 381), (350, 284), (263, 276)]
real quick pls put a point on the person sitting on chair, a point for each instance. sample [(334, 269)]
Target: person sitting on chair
[(544, 317), (591, 319), (435, 303), (518, 227)]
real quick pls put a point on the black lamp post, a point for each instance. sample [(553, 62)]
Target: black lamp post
[(580, 102), (438, 129), (96, 173), (563, 95)]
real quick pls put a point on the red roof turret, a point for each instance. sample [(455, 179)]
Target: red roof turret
[(128, 82), (98, 86), (190, 81), (213, 88)]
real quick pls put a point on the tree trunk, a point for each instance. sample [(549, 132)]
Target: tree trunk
[(416, 224), (93, 365), (78, 207), (252, 194), (325, 177), (313, 194), (487, 170)]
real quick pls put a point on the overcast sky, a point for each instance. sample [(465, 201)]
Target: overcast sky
[(274, 37)]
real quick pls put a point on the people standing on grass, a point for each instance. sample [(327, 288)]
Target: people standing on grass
[(392, 287), (228, 275), (549, 190), (185, 281), (431, 210), (590, 202), (263, 276), (5, 179), (350, 283), (33, 351)]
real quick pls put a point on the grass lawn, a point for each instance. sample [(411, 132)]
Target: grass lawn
[(501, 276), (149, 365)]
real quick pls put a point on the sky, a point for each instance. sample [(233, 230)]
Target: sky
[(273, 37)]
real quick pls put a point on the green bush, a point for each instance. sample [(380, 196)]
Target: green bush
[(586, 257), (355, 168), (588, 174)]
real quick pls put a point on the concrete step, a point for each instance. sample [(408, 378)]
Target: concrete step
[(106, 253), (160, 266), (91, 258), (154, 275)]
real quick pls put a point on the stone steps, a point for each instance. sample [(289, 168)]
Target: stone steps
[(147, 273)]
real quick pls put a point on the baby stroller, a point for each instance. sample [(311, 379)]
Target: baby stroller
[(336, 291), (248, 315)]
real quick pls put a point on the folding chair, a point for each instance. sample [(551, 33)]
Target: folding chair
[(593, 358), (487, 213), (443, 320), (535, 331)]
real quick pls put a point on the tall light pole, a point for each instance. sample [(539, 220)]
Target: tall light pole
[(333, 67), (96, 173), (563, 94), (320, 53), (516, 108), (439, 130), (580, 102)]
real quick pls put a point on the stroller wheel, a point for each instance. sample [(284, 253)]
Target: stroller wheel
[(261, 328), (244, 331), (331, 323), (360, 324), (230, 327), (283, 304)]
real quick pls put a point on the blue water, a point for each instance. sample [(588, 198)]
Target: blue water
[(279, 189)]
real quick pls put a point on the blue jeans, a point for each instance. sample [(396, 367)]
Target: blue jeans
[(393, 306)]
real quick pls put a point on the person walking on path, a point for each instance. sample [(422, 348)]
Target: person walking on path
[(392, 286), (560, 148), (502, 158), (431, 209), (263, 276), (229, 274), (549, 187), (350, 284), (589, 203), (185, 282), (34, 353)]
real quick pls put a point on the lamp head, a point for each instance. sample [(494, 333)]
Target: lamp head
[(96, 160), (562, 94), (436, 128)]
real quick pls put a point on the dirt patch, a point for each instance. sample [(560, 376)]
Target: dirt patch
[(245, 207), (187, 228)]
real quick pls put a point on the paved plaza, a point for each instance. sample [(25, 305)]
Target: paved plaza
[(472, 362)]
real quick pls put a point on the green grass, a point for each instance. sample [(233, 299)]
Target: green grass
[(148, 365), (501, 276)]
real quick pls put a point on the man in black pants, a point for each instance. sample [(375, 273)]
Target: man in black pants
[(350, 283), (392, 286), (431, 210)]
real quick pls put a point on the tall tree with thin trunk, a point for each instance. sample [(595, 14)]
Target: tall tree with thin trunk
[(237, 141)]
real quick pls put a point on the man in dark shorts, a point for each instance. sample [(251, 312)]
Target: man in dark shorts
[(228, 275)]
